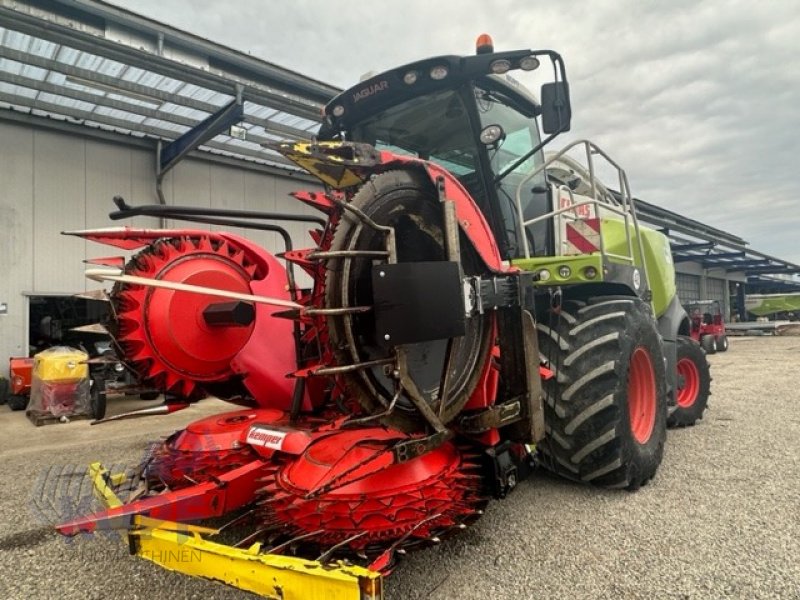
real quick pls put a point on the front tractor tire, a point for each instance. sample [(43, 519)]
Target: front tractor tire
[(606, 407), (694, 383)]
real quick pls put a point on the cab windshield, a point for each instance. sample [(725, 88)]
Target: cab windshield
[(433, 127), (436, 127)]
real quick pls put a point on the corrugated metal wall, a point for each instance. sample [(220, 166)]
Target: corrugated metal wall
[(688, 287), (717, 289), (52, 181)]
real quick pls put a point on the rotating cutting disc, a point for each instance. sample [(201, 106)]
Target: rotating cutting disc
[(415, 500)]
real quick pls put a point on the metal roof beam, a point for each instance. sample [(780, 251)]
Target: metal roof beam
[(694, 246), (682, 258), (100, 46), (165, 35), (697, 246), (124, 87), (729, 267), (171, 154), (724, 255), (157, 132), (778, 285), (772, 270), (35, 104), (104, 101), (748, 264), (670, 220)]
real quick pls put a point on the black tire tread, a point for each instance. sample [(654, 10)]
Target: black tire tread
[(16, 402), (709, 344), (722, 343), (688, 416), (97, 397), (587, 426)]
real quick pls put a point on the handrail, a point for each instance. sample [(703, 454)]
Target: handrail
[(627, 209)]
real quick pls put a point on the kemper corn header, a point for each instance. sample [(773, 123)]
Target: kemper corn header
[(476, 308)]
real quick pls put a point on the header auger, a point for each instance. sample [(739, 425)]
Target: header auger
[(476, 309)]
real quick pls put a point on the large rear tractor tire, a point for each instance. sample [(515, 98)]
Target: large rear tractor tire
[(606, 407), (5, 390), (694, 383)]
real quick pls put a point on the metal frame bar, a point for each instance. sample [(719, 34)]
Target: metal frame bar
[(129, 107), (724, 256), (771, 270), (693, 246), (627, 209), (81, 39), (140, 127), (272, 127), (172, 153)]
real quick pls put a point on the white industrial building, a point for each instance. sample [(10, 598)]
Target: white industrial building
[(88, 95), (91, 99)]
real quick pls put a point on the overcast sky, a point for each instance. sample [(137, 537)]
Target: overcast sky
[(698, 101)]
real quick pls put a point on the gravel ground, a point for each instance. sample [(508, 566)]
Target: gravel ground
[(720, 520)]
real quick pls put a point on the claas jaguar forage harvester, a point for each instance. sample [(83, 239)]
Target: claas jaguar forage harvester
[(477, 308)]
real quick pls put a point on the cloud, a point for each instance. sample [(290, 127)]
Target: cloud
[(699, 101)]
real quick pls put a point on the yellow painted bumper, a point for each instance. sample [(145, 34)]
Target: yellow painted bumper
[(180, 547)]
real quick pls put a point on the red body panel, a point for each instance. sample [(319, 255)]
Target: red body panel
[(164, 329), (21, 375), (469, 216)]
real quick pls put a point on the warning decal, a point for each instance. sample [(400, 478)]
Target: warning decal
[(583, 236)]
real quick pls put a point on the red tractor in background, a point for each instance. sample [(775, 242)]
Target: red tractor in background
[(707, 325)]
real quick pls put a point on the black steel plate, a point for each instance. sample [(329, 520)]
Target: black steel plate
[(418, 302)]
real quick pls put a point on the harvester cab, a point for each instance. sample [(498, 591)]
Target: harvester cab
[(477, 307), (468, 115)]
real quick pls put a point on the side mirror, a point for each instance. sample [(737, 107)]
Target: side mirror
[(556, 110)]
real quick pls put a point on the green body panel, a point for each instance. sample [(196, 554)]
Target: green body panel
[(577, 265), (657, 259)]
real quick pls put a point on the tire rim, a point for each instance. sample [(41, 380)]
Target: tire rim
[(641, 395), (691, 383)]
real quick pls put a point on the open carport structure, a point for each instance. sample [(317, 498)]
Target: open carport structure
[(712, 264), (96, 101)]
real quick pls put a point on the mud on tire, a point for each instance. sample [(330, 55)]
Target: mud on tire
[(606, 407), (694, 382)]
